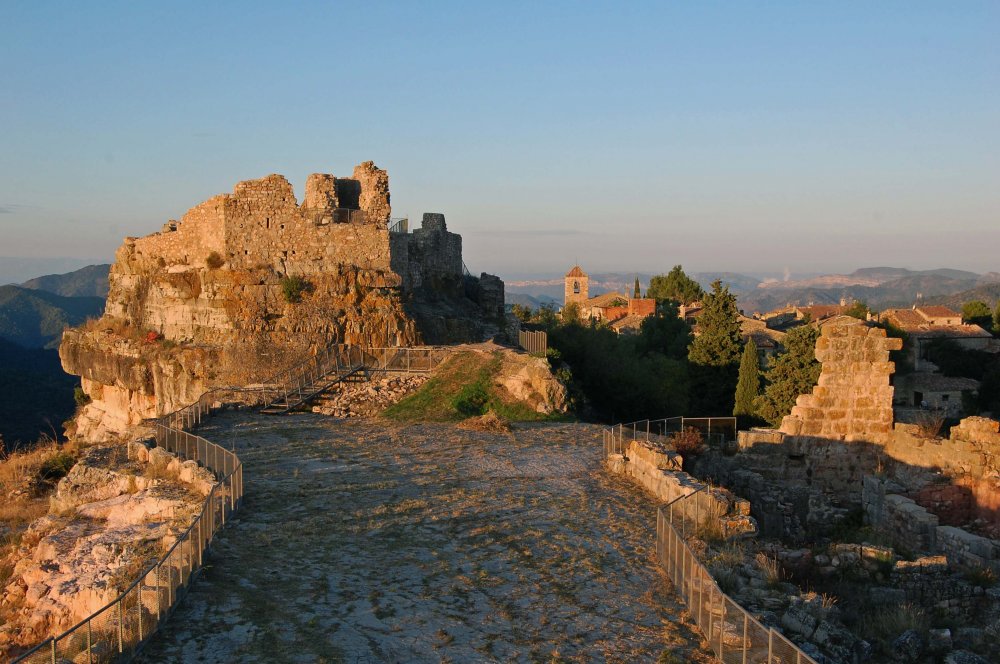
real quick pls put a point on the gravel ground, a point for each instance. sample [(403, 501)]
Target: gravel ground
[(367, 541)]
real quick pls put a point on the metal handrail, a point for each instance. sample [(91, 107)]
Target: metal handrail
[(719, 618)]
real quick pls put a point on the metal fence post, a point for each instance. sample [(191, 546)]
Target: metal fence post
[(745, 644), (121, 627)]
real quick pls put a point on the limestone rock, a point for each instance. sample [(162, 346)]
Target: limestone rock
[(908, 646)]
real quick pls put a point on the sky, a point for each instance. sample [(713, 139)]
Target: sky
[(745, 137)]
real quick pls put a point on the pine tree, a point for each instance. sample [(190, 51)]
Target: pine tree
[(635, 289), (715, 354), (676, 286), (748, 385), (792, 373)]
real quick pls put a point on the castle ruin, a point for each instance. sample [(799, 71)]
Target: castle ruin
[(246, 281)]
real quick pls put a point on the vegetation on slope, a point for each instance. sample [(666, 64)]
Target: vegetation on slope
[(90, 281), (36, 319), (464, 386)]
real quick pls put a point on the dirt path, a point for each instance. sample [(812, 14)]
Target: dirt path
[(371, 542)]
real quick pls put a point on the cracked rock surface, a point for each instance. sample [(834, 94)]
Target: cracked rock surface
[(370, 541)]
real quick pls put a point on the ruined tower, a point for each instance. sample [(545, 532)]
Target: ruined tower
[(577, 286)]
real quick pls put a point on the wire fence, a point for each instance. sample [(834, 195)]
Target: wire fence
[(714, 430), (117, 630), (735, 636)]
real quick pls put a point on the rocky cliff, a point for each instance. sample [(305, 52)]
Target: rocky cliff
[(246, 282)]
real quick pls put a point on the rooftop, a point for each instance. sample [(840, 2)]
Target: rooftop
[(576, 272)]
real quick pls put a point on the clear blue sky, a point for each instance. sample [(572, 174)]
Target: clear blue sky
[(729, 136)]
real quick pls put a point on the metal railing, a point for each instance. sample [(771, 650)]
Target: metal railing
[(332, 363), (399, 225), (117, 630), (714, 430), (736, 637), (341, 216)]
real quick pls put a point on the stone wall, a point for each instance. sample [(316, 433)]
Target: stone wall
[(658, 470), (215, 281), (853, 398)]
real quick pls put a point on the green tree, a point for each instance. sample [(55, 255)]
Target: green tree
[(665, 333), (859, 309), (676, 286), (571, 313), (792, 373), (977, 312), (748, 385), (635, 289), (522, 312), (546, 316), (996, 321), (715, 353)]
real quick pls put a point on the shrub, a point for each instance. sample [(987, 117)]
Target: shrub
[(293, 288), (56, 466), (214, 260), (688, 442), (80, 397)]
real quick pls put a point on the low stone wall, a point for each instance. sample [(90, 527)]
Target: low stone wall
[(913, 527), (658, 470)]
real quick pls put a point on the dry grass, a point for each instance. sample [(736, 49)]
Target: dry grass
[(773, 574), (889, 622), (488, 422)]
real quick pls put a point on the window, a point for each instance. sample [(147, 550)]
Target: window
[(576, 287)]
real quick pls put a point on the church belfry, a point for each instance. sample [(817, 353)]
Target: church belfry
[(577, 286)]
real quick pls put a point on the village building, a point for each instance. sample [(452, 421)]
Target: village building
[(794, 315), (623, 313), (923, 325), (922, 390)]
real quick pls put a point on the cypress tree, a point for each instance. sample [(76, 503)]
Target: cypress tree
[(715, 353), (794, 372), (636, 289), (748, 385)]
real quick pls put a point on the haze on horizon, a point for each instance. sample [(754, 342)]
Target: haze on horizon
[(818, 137)]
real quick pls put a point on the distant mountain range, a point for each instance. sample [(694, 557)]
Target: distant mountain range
[(880, 287), (36, 318), (90, 281)]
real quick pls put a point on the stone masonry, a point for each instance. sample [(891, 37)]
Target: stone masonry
[(205, 301), (853, 400)]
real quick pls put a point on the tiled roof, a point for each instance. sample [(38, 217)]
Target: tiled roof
[(913, 323), (938, 311), (821, 311), (576, 272), (607, 300), (628, 322)]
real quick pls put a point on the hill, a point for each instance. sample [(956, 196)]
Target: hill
[(36, 319), (36, 395), (880, 287), (988, 293), (90, 281)]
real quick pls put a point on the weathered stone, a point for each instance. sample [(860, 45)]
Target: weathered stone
[(908, 646)]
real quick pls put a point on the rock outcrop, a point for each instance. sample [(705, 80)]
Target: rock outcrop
[(247, 282), (109, 518)]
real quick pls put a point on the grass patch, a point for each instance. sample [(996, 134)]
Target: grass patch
[(462, 387)]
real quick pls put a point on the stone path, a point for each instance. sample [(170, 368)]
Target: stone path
[(362, 541)]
